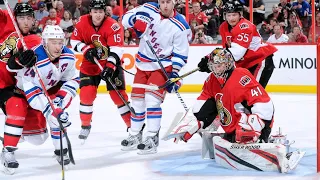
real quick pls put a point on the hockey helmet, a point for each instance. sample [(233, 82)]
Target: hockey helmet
[(52, 32), (232, 6), (23, 9), (220, 56), (97, 4)]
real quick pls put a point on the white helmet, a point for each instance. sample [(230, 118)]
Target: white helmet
[(52, 32)]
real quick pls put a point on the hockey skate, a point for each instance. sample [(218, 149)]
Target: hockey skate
[(10, 164), (149, 145), (84, 133), (66, 159), (132, 141)]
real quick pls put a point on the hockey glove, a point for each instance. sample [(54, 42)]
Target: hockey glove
[(249, 128), (142, 23), (62, 101), (203, 65), (108, 71), (90, 54), (57, 115), (22, 59), (174, 87)]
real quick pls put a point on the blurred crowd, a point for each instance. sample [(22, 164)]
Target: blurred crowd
[(288, 21)]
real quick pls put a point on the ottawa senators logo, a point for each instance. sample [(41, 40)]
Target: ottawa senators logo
[(224, 114), (8, 46), (102, 50), (117, 81)]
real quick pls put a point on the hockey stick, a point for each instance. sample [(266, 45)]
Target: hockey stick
[(164, 71), (116, 89), (172, 80), (45, 92)]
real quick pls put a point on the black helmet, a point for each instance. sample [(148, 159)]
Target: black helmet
[(97, 4), (232, 6), (22, 9)]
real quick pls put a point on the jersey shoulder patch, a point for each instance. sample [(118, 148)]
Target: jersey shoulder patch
[(115, 27), (244, 80), (244, 25)]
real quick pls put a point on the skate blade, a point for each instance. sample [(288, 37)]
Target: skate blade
[(297, 156), (9, 171), (146, 152), (130, 148)]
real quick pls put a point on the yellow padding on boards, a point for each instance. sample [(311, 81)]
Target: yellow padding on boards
[(196, 88)]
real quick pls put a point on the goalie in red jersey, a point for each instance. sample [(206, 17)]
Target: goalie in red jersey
[(244, 145), (245, 43), (98, 36)]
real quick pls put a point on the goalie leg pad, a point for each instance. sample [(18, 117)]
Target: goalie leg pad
[(253, 157)]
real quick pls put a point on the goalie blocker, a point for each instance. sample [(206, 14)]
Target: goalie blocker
[(245, 111)]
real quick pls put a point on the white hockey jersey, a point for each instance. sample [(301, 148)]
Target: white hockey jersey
[(62, 70), (168, 36)]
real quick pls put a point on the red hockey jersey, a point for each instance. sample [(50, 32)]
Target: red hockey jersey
[(106, 38), (9, 44), (245, 43), (240, 86)]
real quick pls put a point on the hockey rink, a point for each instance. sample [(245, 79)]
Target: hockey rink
[(100, 158)]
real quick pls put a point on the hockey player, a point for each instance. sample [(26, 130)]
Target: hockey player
[(168, 33), (246, 44), (12, 103), (223, 93), (56, 67), (98, 36)]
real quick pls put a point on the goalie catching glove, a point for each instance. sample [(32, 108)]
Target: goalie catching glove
[(249, 128)]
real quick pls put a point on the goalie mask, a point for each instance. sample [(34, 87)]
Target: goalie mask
[(221, 63)]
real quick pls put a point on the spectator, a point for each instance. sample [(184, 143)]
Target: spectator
[(264, 32), (130, 6), (52, 17), (42, 12), (276, 13), (60, 8), (128, 40), (284, 4), (115, 8), (78, 10), (201, 38), (33, 4), (317, 30), (293, 21), (109, 12), (180, 6), (67, 34), (66, 21), (131, 2), (198, 16), (212, 14), (258, 11), (278, 36), (302, 8), (297, 36)]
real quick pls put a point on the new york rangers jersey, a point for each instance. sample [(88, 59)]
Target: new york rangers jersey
[(168, 37), (51, 72)]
